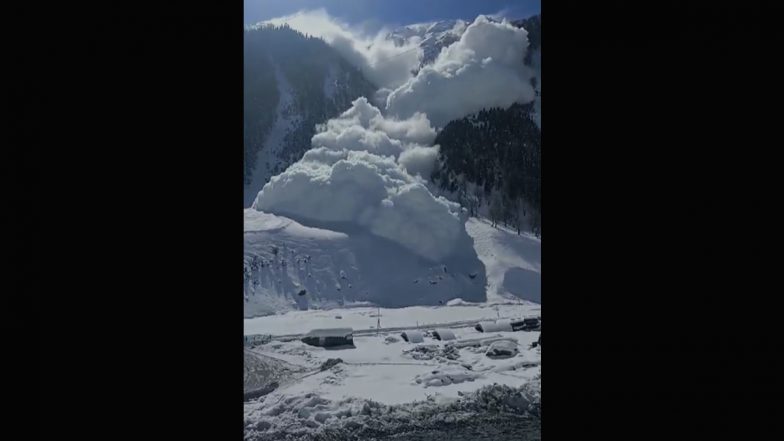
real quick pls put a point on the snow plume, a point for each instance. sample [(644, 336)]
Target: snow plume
[(363, 128), (481, 70), (329, 187), (383, 62), (419, 160)]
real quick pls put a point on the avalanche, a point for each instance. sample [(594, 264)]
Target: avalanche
[(354, 219), (353, 225), (484, 69)]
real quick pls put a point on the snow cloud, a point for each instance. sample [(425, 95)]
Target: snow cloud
[(347, 187), (363, 128), (382, 61), (419, 160), (483, 69)]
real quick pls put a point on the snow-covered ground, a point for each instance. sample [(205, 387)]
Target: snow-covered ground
[(383, 384), (361, 318), (513, 262), (382, 371)]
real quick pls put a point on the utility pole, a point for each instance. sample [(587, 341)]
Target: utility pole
[(378, 319)]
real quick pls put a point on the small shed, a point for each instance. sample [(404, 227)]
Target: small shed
[(413, 336), (330, 337), (443, 334), (497, 326)]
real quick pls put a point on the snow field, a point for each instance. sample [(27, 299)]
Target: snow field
[(300, 322), (380, 382)]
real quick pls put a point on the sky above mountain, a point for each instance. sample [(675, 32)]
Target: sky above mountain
[(374, 14)]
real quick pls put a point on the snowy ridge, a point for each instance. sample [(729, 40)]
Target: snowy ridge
[(431, 37)]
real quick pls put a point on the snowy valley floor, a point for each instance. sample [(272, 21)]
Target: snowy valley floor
[(386, 388)]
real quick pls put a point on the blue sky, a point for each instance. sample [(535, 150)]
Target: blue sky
[(392, 12)]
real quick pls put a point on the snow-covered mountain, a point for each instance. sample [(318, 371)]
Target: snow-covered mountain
[(431, 37), (354, 221), (490, 161), (436, 35), (380, 227)]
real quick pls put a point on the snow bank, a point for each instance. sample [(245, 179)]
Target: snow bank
[(481, 70), (311, 417)]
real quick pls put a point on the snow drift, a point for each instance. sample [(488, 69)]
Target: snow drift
[(483, 69)]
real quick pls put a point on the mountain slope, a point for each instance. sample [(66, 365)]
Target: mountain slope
[(490, 161), (432, 36), (513, 262), (292, 83)]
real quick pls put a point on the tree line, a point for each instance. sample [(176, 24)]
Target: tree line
[(490, 162)]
